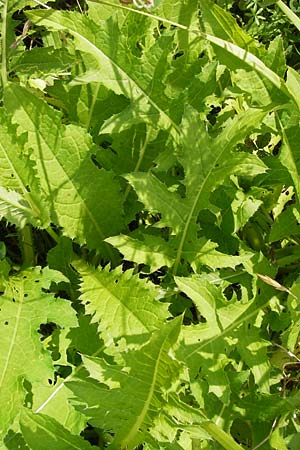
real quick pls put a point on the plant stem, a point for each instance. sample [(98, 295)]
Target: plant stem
[(27, 246), (220, 436), (54, 235), (289, 13), (3, 45)]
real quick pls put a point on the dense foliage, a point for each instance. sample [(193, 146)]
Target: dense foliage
[(150, 233)]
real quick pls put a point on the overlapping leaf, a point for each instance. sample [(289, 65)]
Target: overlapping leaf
[(115, 65), (156, 252), (139, 81), (206, 163), (82, 199), (289, 156), (43, 65), (209, 344), (24, 307), (42, 433), (137, 388), (244, 55), (21, 199), (152, 251)]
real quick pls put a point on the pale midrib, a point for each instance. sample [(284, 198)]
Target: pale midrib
[(140, 419), (192, 211), (13, 339), (244, 317), (4, 43), (69, 378), (96, 50)]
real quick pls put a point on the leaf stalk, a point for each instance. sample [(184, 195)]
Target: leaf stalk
[(3, 45)]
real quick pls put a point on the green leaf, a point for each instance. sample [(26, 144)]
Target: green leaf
[(145, 145), (267, 407), (138, 145), (289, 156), (206, 254), (24, 307), (26, 204), (239, 51), (213, 356), (293, 83), (275, 58), (289, 13), (156, 252), (41, 67), (204, 171), (208, 344), (152, 251), (244, 207), (46, 61), (125, 305), (54, 401), (217, 22), (59, 258), (253, 350), (184, 12), (149, 372), (15, 209), (287, 224), (87, 105), (150, 192), (70, 180), (42, 432), (116, 67)]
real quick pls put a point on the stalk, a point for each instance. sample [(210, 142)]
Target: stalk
[(27, 246), (52, 233), (3, 45), (220, 436), (289, 13)]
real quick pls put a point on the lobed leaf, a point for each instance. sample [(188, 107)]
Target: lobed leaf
[(24, 307)]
